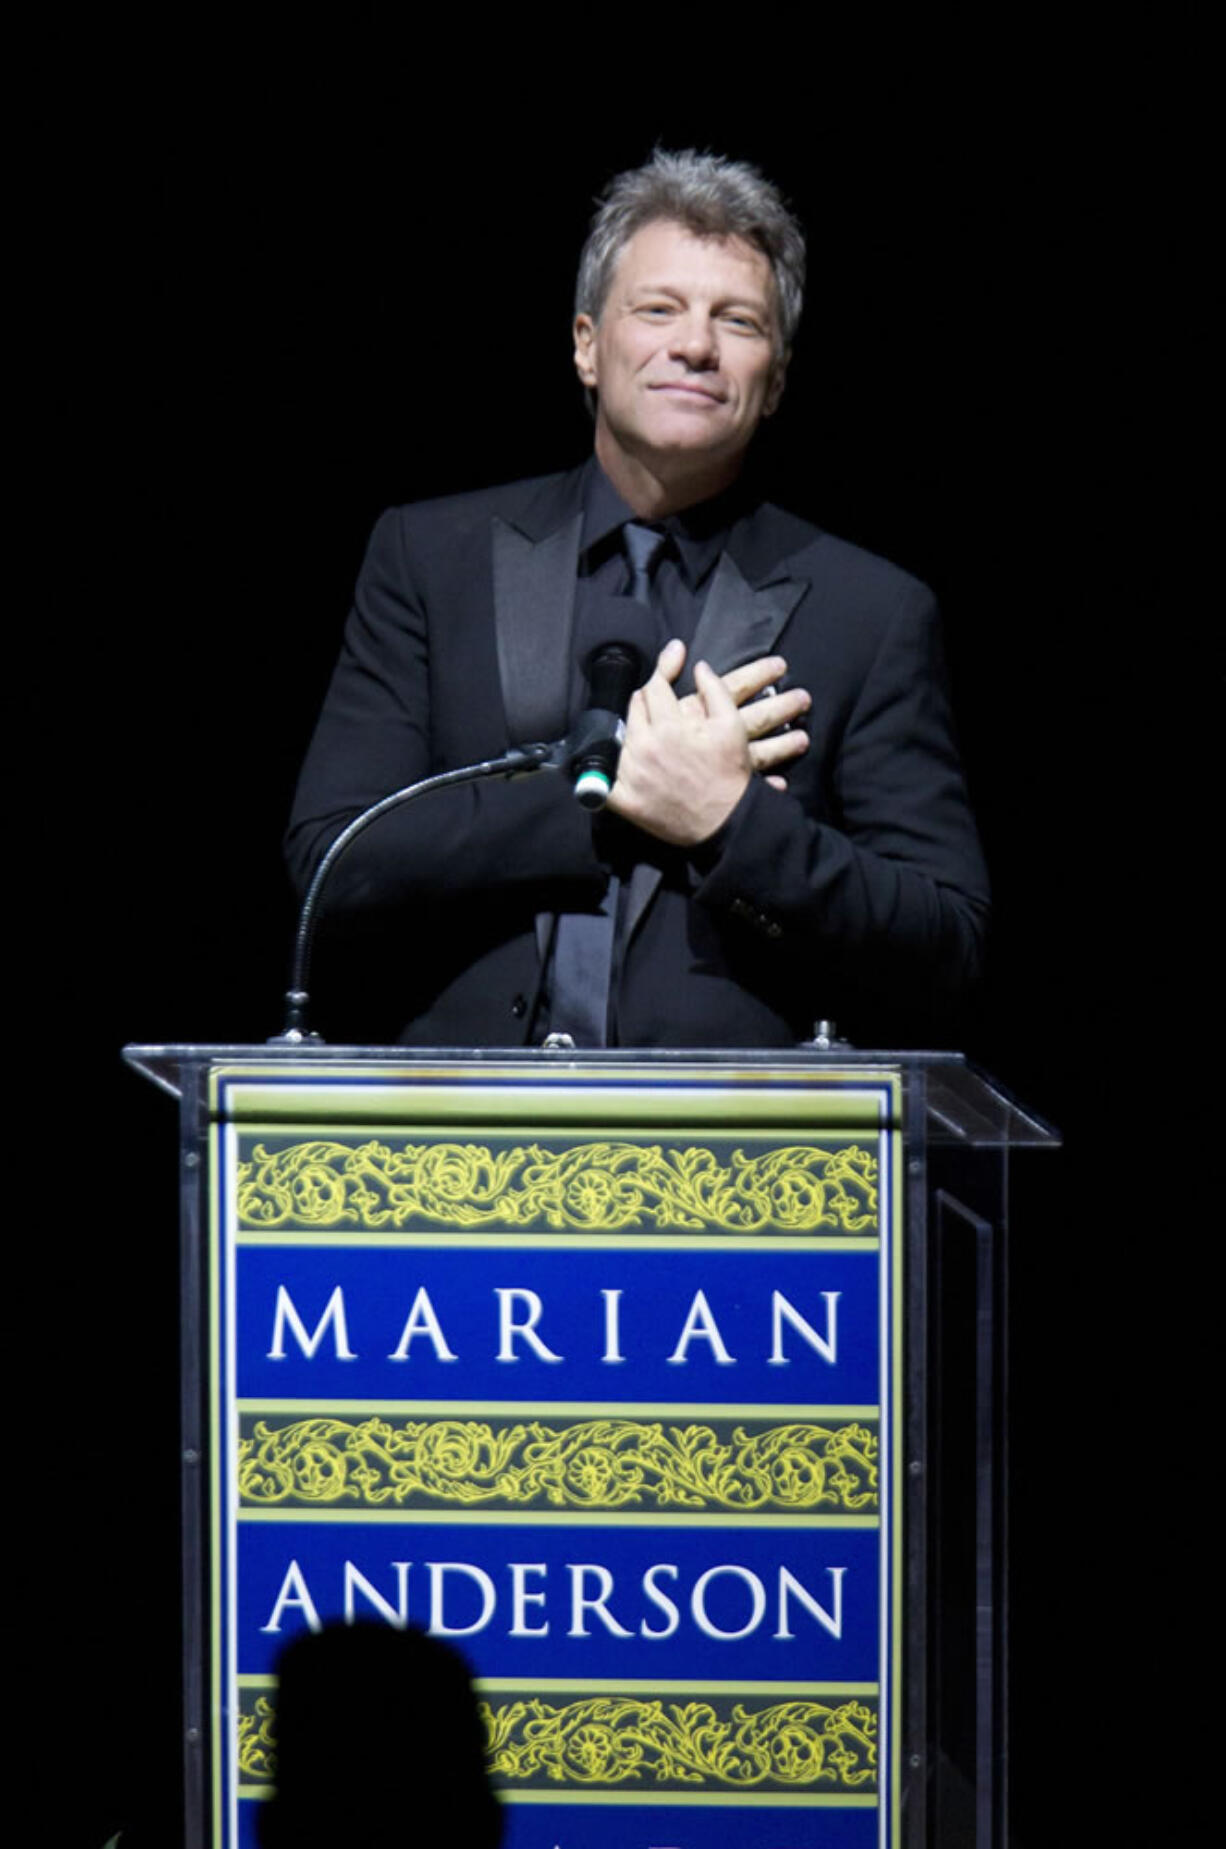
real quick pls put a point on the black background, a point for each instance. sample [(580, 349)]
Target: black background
[(284, 280)]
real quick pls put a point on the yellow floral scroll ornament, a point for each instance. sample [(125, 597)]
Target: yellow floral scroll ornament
[(257, 1746), (606, 1463), (610, 1741), (594, 1187), (605, 1741)]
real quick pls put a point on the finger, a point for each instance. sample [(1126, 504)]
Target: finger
[(763, 716), (714, 695), (671, 659), (777, 783), (768, 753), (754, 677), (659, 700)]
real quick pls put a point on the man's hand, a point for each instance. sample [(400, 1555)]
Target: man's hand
[(686, 763), (765, 716)]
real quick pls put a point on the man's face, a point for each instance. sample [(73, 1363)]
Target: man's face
[(685, 356)]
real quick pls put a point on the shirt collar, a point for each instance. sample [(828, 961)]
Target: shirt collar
[(700, 533), (604, 511)]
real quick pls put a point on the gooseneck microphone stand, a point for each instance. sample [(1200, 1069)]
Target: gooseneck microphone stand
[(520, 761)]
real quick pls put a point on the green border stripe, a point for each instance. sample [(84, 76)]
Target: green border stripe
[(587, 1685), (597, 1409), (756, 1096), (710, 1800), (774, 1800), (544, 1518), (220, 1742), (576, 1242)]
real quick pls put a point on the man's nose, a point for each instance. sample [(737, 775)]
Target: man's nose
[(695, 342)]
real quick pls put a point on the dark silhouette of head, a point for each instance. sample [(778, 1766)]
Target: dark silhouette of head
[(379, 1746)]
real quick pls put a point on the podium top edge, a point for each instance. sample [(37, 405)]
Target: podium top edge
[(264, 1051), (961, 1105)]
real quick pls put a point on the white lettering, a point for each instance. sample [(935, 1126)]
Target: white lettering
[(463, 1600), (508, 1328), (293, 1593), (832, 1622), (612, 1326), (698, 1601), (438, 1627), (581, 1602), (782, 1311), (334, 1314), (520, 1596), (660, 1600), (397, 1614), (700, 1325), (422, 1321)]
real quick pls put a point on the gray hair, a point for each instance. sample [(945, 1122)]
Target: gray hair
[(713, 198)]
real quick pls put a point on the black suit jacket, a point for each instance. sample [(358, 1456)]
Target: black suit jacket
[(857, 895)]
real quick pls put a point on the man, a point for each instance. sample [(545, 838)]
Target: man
[(750, 874)]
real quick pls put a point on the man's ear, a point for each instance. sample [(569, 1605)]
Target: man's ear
[(585, 351), (774, 390)]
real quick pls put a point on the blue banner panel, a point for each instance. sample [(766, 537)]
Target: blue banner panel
[(437, 1323), (665, 1826), (787, 1605), (612, 1407)]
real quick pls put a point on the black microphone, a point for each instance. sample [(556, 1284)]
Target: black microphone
[(615, 664), (613, 672)]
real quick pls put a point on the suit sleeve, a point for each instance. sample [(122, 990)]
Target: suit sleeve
[(883, 867), (379, 731)]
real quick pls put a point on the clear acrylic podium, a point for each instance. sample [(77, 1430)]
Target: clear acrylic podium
[(673, 1387)]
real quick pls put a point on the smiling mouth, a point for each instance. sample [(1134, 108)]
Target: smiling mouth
[(688, 391)]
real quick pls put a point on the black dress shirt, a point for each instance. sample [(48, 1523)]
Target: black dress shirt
[(681, 577), (680, 580)]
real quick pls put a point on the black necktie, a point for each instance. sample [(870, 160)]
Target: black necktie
[(583, 941), (643, 546)]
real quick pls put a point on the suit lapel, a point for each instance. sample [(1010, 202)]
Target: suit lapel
[(535, 568), (536, 562), (738, 624), (534, 601), (640, 892)]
